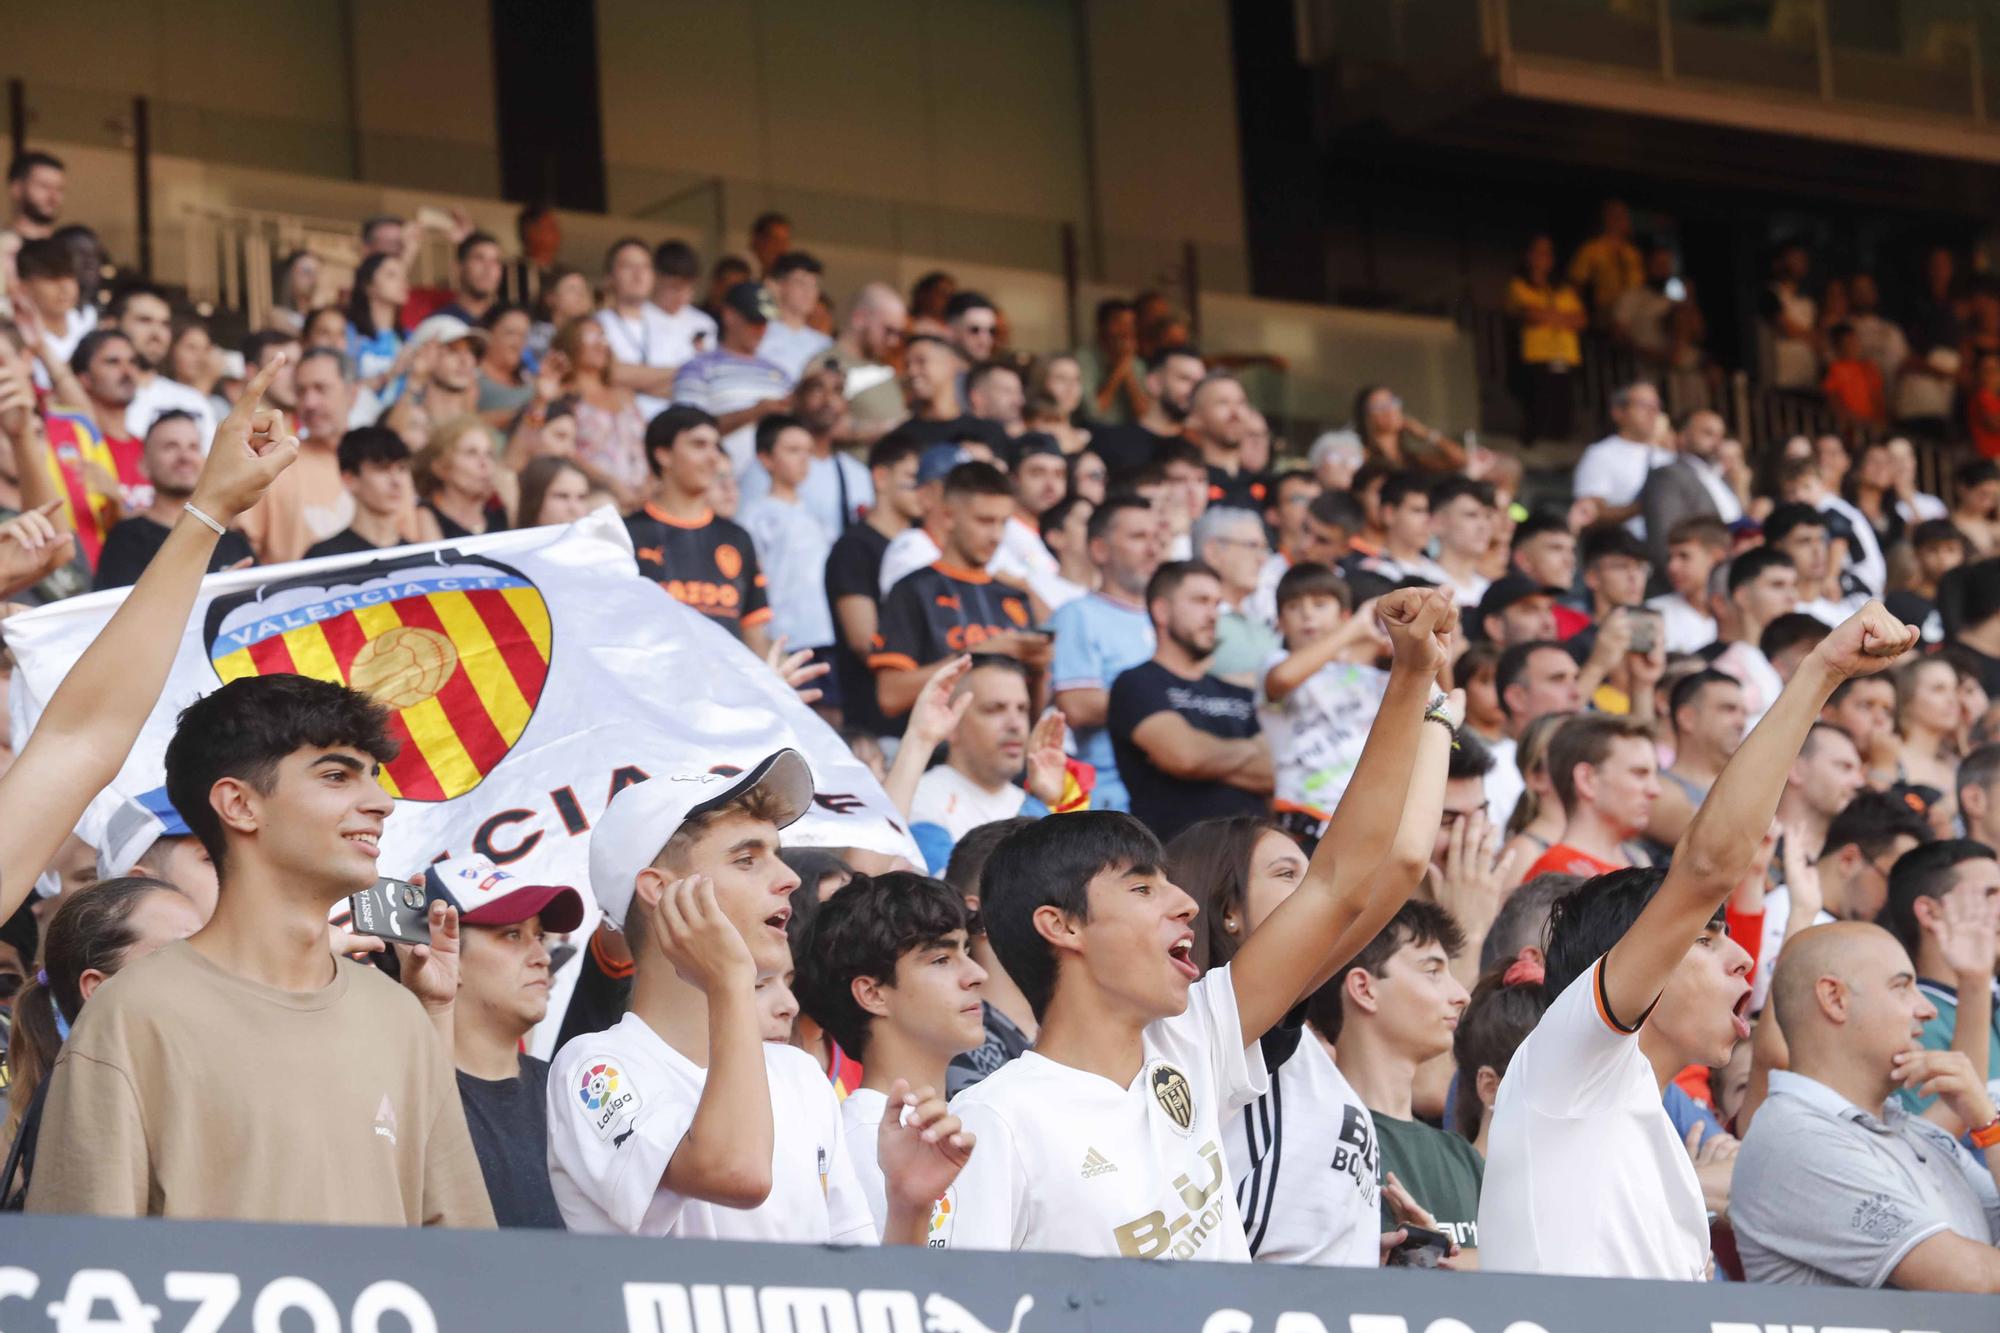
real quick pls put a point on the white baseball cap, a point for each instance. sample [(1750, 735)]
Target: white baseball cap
[(486, 895), (446, 329), (642, 818)]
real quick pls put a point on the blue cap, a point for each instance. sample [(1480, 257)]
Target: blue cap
[(936, 462)]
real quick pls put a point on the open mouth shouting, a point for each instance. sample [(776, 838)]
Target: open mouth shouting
[(1181, 954)]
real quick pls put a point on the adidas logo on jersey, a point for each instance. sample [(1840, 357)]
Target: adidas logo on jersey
[(1095, 1164)]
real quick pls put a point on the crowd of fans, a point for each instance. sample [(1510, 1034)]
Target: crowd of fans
[(1927, 366), (1607, 889)]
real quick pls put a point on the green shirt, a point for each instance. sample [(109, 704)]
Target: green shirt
[(1242, 645), (1937, 1037), (1441, 1171)]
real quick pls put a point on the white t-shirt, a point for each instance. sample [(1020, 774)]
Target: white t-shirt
[(656, 339), (792, 550), (861, 1121), (958, 805), (1614, 470), (1317, 731), (1306, 1167), (620, 1102), (81, 322), (831, 480), (1070, 1162), (1760, 680), (1585, 1175), (164, 395), (791, 348), (1688, 630), (1024, 557)]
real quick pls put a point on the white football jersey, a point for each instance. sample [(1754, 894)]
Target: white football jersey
[(1305, 1163), (620, 1102), (1068, 1161), (861, 1121)]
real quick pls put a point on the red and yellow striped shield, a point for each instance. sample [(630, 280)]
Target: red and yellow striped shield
[(456, 647)]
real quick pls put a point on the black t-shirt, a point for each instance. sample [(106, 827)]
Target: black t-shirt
[(1913, 608), (1164, 803), (710, 565), (990, 433), (1245, 490), (854, 569), (598, 1000), (345, 542), (509, 1121), (132, 543), (1124, 447), (938, 611), (450, 528)]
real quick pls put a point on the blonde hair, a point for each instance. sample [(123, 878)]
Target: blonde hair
[(426, 465)]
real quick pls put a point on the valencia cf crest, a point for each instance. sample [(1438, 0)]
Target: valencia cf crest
[(456, 647), (1176, 1098)]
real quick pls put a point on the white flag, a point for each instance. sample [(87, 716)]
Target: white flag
[(529, 675)]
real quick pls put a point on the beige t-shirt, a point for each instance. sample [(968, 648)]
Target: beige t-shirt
[(185, 1091)]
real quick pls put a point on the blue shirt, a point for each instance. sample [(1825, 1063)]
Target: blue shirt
[(1097, 639)]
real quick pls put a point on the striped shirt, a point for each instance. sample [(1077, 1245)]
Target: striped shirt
[(721, 382)]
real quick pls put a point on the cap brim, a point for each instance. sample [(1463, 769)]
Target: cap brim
[(559, 906), (785, 774)]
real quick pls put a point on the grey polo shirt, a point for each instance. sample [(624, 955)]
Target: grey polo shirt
[(1827, 1194)]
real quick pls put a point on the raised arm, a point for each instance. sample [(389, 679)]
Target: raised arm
[(89, 725), (1280, 962), (1723, 840)]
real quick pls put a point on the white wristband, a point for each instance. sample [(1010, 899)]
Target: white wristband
[(204, 519)]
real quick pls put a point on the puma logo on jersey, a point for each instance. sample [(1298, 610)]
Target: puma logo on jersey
[(1095, 1164)]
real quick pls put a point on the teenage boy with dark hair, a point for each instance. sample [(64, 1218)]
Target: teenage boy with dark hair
[(1762, 584), (1139, 1058), (502, 992), (705, 562), (1388, 1012), (1585, 1173), (681, 1120), (1009, 1018), (854, 573), (886, 968), (375, 469), (277, 775), (952, 606)]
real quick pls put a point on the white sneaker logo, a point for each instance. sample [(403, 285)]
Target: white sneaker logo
[(1095, 1164)]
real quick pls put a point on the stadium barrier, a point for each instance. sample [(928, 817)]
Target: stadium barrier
[(66, 1275)]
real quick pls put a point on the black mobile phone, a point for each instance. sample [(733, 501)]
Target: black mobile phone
[(393, 909), (1421, 1248)]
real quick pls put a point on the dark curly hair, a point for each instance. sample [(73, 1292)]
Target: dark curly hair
[(861, 932)]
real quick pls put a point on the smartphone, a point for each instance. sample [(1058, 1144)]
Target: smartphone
[(1421, 1248), (393, 909), (1646, 627)]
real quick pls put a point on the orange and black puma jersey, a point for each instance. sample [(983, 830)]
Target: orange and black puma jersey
[(709, 564), (940, 611)]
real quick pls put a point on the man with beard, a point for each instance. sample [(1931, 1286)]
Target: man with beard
[(1170, 384), (175, 447), (866, 356), (1188, 745), (34, 197), (1219, 419), (107, 367), (1690, 486), (142, 314), (838, 489), (443, 375)]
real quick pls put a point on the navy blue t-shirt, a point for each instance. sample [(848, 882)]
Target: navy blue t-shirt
[(1164, 803)]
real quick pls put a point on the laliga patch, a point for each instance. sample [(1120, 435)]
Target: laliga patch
[(608, 1096)]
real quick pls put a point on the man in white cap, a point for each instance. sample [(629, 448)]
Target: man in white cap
[(443, 378), (503, 991), (681, 1120), (147, 836)]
